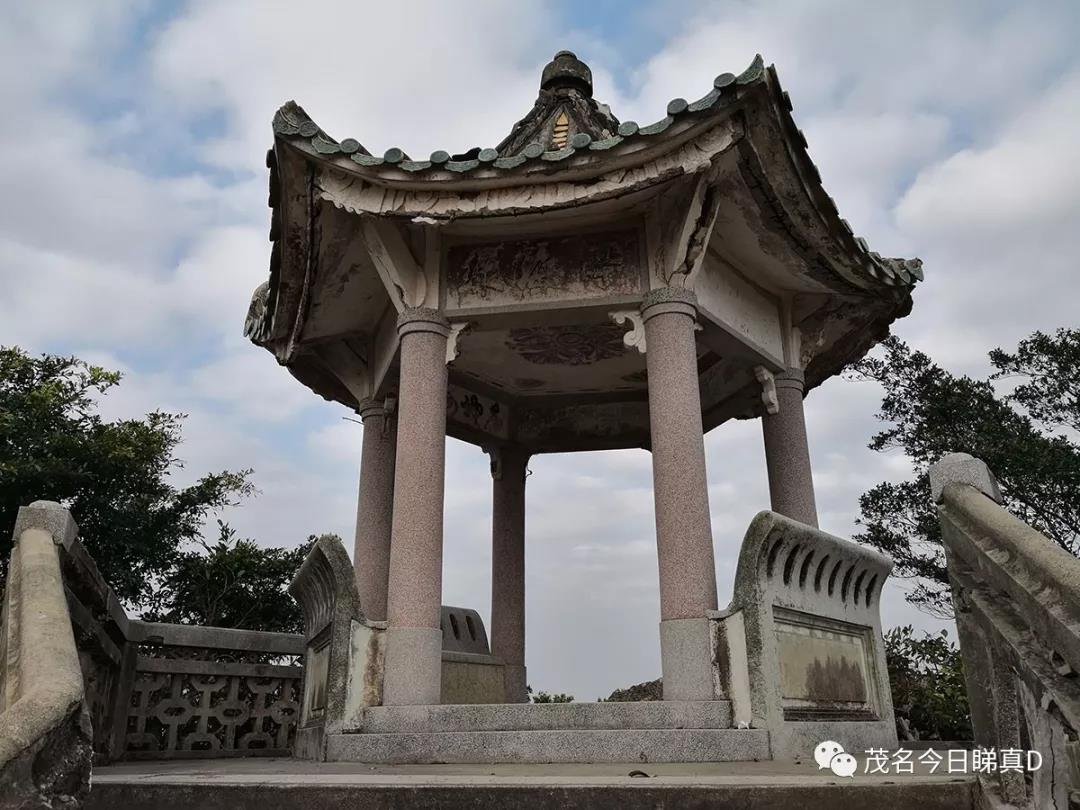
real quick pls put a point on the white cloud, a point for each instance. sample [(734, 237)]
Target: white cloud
[(1028, 177), (434, 76)]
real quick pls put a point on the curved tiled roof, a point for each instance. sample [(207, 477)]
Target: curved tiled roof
[(293, 125)]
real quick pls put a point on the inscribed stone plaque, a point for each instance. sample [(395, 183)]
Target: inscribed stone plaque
[(564, 268), (317, 675), (824, 669)]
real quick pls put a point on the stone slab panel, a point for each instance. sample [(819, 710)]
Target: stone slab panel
[(475, 682)]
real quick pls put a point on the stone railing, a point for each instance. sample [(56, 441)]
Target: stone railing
[(1016, 596), (210, 691), (158, 691), (800, 650), (45, 734)]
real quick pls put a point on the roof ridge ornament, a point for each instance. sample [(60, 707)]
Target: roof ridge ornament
[(565, 114), (566, 71)]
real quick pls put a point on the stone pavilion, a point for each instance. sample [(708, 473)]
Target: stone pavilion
[(585, 284)]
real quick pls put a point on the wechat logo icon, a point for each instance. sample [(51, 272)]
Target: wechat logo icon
[(831, 755)]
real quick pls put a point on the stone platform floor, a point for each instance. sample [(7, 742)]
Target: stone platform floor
[(281, 784)]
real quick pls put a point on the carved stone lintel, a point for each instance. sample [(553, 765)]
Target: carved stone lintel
[(452, 340), (768, 389), (635, 338)]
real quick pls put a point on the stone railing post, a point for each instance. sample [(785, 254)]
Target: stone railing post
[(46, 742)]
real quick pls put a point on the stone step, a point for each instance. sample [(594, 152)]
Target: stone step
[(713, 714), (576, 745), (292, 785)]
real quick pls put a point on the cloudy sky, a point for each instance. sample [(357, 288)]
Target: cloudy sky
[(133, 230)]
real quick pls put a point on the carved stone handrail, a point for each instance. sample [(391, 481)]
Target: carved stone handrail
[(215, 638), (45, 735), (149, 690), (1016, 596), (209, 691)]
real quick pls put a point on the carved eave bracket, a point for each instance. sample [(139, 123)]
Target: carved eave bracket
[(351, 370), (496, 455), (697, 231), (679, 227), (635, 338), (452, 340), (768, 389), (409, 283)]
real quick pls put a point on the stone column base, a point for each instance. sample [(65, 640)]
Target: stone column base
[(686, 660), (514, 684), (413, 667)]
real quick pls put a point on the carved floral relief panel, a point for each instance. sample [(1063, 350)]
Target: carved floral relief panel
[(477, 411), (576, 345)]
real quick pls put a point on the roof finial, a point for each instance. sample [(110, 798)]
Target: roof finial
[(567, 71)]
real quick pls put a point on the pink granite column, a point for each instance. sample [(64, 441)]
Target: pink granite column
[(413, 666), (787, 454), (680, 489), (374, 509), (508, 469)]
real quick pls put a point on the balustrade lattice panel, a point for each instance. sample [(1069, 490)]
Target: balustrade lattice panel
[(200, 703)]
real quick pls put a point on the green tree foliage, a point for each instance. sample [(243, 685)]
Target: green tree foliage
[(650, 690), (927, 678), (1049, 366), (546, 697), (114, 476), (1022, 436), (231, 583)]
